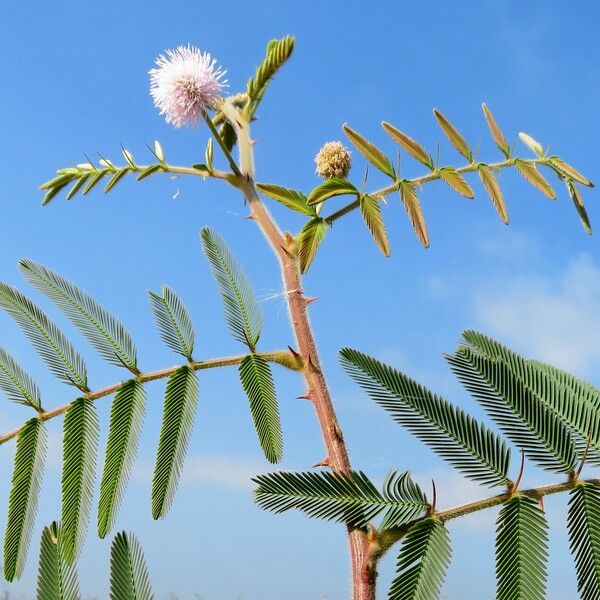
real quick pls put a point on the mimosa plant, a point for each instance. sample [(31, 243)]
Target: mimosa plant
[(549, 416)]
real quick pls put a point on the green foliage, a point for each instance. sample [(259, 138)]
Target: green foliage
[(525, 419), (128, 573), (458, 438), (308, 241), (412, 206), (17, 384), (242, 312), (521, 551), (370, 210), (571, 402), (23, 501), (101, 329), (493, 189), (584, 537), (126, 418), (80, 441), (57, 580), (257, 381), (54, 348), (294, 200), (411, 146), (422, 563), (330, 188), (452, 134), (348, 498), (278, 52), (181, 398), (173, 320), (371, 152)]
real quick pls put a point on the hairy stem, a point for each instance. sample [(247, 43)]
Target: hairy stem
[(388, 537), (363, 568), (432, 176), (281, 357)]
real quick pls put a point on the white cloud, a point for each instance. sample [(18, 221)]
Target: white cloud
[(552, 319), (228, 471)]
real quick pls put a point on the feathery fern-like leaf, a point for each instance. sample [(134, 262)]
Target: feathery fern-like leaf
[(174, 322), (257, 381), (23, 501), (103, 331), (181, 398), (54, 348), (584, 537), (350, 498), (521, 414), (80, 441), (57, 580), (17, 384), (422, 563), (126, 417), (242, 312), (575, 402), (129, 578), (458, 438), (521, 550)]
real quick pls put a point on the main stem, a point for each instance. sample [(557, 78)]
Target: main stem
[(363, 567)]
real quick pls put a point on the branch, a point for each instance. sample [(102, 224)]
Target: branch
[(284, 358), (432, 176), (388, 537)]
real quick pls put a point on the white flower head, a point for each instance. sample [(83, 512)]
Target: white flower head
[(185, 83)]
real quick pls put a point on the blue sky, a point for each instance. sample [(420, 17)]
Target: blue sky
[(75, 80)]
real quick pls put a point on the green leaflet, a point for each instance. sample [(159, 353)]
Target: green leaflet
[(533, 176), (181, 398), (308, 241), (128, 573), (291, 198), (348, 498), (173, 320), (452, 134), (57, 580), (584, 537), (126, 417), (54, 348), (80, 441), (457, 437), (242, 313), (371, 152), (257, 381), (411, 146), (370, 210), (422, 563), (521, 551), (496, 132), (412, 206), (493, 189), (23, 501), (16, 383), (102, 330), (329, 189)]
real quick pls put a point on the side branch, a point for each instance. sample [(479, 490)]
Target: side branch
[(388, 537), (284, 358), (432, 176)]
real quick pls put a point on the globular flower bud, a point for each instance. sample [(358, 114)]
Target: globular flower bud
[(333, 160)]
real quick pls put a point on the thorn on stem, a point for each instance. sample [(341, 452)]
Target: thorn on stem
[(324, 463), (541, 503), (295, 354), (432, 506), (309, 299), (250, 218), (515, 485)]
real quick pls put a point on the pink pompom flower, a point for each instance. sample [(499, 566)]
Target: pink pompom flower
[(185, 83)]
